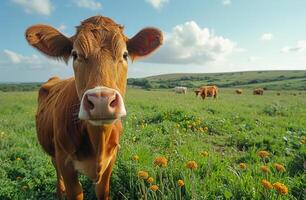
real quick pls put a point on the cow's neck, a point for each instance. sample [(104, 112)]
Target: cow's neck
[(105, 143)]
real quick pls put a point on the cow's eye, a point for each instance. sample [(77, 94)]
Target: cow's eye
[(125, 55), (74, 55)]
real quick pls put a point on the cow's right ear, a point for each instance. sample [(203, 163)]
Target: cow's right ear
[(49, 41)]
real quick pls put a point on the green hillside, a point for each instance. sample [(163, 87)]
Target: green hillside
[(274, 80)]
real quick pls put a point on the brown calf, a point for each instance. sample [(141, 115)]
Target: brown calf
[(238, 91), (78, 120), (258, 91)]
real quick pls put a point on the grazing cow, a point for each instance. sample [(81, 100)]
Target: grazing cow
[(180, 90), (258, 91), (78, 120), (197, 91), (278, 94), (238, 91), (207, 91)]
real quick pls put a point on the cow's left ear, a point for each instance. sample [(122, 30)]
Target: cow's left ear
[(144, 42)]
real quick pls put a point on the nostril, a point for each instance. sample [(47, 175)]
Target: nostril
[(89, 104), (114, 103)]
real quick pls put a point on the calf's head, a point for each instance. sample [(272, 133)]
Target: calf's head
[(100, 52)]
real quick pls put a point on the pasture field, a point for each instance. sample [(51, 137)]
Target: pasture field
[(212, 146)]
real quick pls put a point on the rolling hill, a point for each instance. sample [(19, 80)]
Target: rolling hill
[(272, 80)]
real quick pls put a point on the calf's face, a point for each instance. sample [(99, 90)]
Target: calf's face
[(100, 52)]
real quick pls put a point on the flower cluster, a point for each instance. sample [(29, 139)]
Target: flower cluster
[(143, 174), (161, 161), (242, 166), (266, 184), (263, 154), (280, 188), (279, 167), (192, 165)]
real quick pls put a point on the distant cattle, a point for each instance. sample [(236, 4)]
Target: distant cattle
[(78, 120), (207, 91), (258, 91), (238, 91), (180, 90), (278, 94)]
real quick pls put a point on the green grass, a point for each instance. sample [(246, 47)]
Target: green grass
[(231, 129)]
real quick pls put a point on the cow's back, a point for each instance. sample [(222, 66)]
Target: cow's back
[(46, 112)]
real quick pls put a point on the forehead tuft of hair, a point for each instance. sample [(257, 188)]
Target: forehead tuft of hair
[(99, 32)]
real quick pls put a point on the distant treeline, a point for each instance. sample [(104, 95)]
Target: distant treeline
[(11, 87)]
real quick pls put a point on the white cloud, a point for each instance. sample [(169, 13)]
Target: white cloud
[(299, 47), (16, 58), (42, 7), (227, 2), (190, 44), (90, 4), (266, 37), (11, 58), (157, 3)]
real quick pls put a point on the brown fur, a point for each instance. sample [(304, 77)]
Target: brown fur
[(76, 145), (258, 91), (238, 91), (207, 91)]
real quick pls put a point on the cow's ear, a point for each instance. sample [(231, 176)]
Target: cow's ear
[(49, 41), (144, 42)]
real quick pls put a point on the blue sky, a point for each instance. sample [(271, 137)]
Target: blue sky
[(200, 35)]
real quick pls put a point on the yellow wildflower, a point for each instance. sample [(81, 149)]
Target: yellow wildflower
[(280, 188), (160, 161), (204, 153), (150, 180), (263, 154), (135, 158), (180, 183), (154, 187), (279, 167), (266, 184), (143, 174), (192, 165), (265, 169), (242, 166), (205, 128), (18, 159)]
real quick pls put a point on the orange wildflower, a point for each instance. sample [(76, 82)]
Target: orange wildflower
[(192, 165), (263, 154), (265, 169), (150, 180), (160, 161), (154, 187), (280, 188), (266, 184), (279, 167), (242, 166), (143, 174), (180, 183)]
